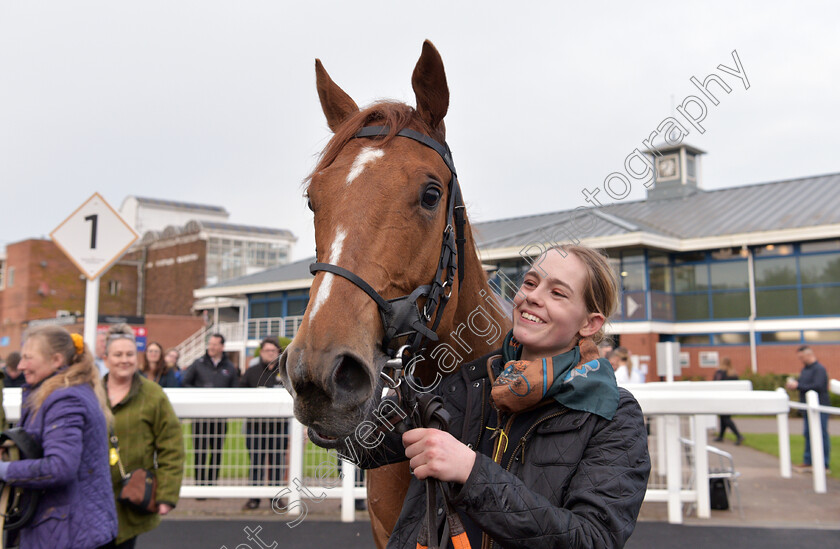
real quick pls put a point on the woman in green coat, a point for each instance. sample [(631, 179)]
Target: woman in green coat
[(147, 432)]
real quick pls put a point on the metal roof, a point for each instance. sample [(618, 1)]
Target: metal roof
[(180, 205), (790, 204), (244, 229), (290, 271)]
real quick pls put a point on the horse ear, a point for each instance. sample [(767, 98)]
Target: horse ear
[(430, 89), (335, 102)]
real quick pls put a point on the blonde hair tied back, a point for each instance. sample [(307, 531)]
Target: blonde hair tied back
[(79, 367)]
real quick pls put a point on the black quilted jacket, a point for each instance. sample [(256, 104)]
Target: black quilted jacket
[(566, 479)]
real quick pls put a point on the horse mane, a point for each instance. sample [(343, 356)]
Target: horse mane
[(397, 116)]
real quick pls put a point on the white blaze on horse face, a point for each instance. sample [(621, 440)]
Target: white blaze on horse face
[(365, 157), (326, 284)]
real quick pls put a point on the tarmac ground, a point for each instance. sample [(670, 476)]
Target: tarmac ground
[(777, 513)]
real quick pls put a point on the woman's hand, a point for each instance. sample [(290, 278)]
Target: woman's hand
[(437, 454), (164, 508)]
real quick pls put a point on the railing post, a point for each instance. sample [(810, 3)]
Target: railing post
[(348, 485), (701, 465), (296, 447), (815, 429), (659, 429), (783, 425), (674, 468)]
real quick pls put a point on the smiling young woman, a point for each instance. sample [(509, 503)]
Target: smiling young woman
[(540, 433)]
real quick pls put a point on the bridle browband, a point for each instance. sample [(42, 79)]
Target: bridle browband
[(401, 316)]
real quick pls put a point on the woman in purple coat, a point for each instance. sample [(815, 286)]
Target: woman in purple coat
[(64, 409)]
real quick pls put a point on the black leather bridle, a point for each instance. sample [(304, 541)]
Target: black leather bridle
[(401, 316)]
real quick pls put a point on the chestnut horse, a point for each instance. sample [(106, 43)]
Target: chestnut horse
[(381, 205)]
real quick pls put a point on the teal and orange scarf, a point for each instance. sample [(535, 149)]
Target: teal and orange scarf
[(577, 379)]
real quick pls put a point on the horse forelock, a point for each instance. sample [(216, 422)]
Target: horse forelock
[(397, 116)]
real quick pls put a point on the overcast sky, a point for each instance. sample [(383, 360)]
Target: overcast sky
[(215, 102)]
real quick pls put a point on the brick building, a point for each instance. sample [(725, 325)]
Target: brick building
[(153, 282)]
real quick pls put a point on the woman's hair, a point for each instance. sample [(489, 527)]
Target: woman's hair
[(153, 369), (79, 366), (119, 331), (622, 353), (600, 287)]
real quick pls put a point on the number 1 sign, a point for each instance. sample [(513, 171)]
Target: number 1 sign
[(94, 236)]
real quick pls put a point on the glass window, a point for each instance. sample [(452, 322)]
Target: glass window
[(791, 336), (660, 278), (775, 272), (776, 303), (774, 249), (820, 269), (729, 253), (292, 293), (691, 278), (731, 305), (258, 310), (732, 338), (822, 336), (662, 306), (10, 280), (821, 301), (658, 258), (690, 257), (633, 256), (694, 339), (692, 307), (729, 275), (296, 307), (633, 276), (275, 309), (820, 246)]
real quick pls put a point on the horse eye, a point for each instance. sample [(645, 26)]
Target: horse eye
[(431, 196), (309, 204)]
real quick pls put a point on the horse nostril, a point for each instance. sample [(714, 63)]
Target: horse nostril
[(350, 376)]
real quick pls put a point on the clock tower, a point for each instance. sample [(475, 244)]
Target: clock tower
[(676, 171)]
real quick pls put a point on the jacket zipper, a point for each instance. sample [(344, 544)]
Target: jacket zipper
[(481, 426), (486, 542)]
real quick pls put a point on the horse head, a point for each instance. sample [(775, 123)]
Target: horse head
[(380, 206)]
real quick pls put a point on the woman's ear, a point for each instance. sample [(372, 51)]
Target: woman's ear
[(57, 360), (594, 322)]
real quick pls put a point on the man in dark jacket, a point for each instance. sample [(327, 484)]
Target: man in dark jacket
[(265, 438), (213, 369), (813, 377)]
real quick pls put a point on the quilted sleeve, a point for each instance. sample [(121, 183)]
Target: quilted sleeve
[(601, 503), (64, 422)]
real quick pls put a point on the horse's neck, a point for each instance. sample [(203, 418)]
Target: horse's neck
[(480, 323)]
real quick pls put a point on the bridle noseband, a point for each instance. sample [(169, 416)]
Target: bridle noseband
[(401, 316)]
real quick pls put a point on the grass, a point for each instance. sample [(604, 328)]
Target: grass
[(236, 461), (769, 444)]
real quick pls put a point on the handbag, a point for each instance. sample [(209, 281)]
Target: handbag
[(139, 487)]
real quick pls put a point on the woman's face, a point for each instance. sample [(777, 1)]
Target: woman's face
[(35, 365), (121, 359), (549, 309), (153, 353), (172, 358)]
